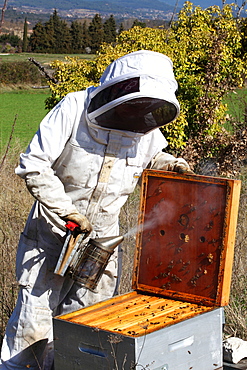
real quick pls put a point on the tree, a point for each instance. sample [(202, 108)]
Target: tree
[(39, 39), (51, 37), (77, 37), (137, 23), (73, 75), (204, 75), (86, 36), (25, 38), (110, 30), (96, 33), (59, 34), (243, 28), (10, 38), (121, 28)]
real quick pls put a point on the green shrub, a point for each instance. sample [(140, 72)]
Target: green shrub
[(19, 73), (13, 40)]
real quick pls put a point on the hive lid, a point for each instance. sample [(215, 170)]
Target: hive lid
[(186, 236)]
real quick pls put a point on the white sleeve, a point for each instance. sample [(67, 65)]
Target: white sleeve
[(49, 141), (46, 146), (154, 142)]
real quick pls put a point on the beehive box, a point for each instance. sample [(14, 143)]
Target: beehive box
[(182, 272)]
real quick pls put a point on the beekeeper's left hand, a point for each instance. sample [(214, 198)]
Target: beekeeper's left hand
[(167, 162)]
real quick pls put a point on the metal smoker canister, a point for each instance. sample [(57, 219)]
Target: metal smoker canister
[(91, 263)]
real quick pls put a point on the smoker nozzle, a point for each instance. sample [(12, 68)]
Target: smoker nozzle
[(107, 243)]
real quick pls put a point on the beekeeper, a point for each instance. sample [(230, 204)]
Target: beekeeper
[(81, 165)]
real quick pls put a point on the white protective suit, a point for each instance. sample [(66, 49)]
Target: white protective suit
[(72, 164)]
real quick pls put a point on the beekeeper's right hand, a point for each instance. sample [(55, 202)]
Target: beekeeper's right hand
[(81, 221)]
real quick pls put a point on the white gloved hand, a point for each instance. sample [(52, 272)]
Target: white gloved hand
[(82, 222), (179, 166), (167, 162)]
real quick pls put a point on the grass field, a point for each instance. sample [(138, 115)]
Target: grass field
[(237, 104), (42, 58), (27, 109)]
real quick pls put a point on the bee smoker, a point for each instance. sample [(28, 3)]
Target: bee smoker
[(92, 260), (85, 262)]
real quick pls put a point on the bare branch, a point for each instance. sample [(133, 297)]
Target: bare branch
[(47, 74), (173, 14), (241, 8)]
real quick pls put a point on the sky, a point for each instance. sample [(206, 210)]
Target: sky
[(202, 3)]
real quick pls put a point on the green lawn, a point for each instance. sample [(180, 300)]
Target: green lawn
[(42, 58), (28, 107)]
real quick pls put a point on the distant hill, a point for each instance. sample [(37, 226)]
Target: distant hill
[(98, 5), (153, 9)]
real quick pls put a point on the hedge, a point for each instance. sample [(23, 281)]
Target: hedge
[(19, 73)]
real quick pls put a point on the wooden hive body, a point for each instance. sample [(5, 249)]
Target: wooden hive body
[(182, 272)]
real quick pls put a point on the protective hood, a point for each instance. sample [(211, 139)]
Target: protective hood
[(136, 93)]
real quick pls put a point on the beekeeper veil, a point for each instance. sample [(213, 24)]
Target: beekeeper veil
[(136, 93)]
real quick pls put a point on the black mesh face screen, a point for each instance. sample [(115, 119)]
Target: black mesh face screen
[(138, 115), (114, 92)]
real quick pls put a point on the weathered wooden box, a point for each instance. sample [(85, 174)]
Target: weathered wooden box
[(173, 318)]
